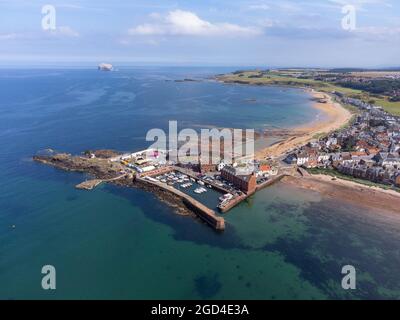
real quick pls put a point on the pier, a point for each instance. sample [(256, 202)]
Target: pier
[(91, 184), (203, 212)]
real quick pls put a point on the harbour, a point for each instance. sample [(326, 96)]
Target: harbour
[(126, 240), (224, 186)]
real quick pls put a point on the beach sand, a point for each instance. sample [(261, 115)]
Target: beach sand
[(335, 117), (347, 191)]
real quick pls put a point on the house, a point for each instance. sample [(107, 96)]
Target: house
[(322, 157), (391, 160), (373, 151), (397, 181), (291, 159), (221, 165), (387, 159), (266, 169), (302, 158), (240, 179), (331, 141)]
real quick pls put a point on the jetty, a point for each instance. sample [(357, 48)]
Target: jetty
[(201, 211), (91, 184)]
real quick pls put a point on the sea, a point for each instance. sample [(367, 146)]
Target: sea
[(121, 243)]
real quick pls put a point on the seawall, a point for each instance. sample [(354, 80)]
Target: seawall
[(200, 210)]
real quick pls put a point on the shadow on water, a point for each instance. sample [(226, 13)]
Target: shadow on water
[(345, 237), (184, 228), (207, 286)]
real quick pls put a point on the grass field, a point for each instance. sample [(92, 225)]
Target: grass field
[(274, 78)]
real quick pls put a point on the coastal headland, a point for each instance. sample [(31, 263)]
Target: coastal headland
[(105, 170)]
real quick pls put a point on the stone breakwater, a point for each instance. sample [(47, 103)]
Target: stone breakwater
[(104, 170)]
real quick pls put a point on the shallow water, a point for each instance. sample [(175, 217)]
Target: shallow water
[(123, 243)]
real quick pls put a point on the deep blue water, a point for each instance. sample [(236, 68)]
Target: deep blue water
[(124, 243)]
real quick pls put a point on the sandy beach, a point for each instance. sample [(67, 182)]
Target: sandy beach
[(335, 116), (348, 191)]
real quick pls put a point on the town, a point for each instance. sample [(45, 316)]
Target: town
[(367, 149)]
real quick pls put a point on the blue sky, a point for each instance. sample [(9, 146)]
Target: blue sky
[(206, 32)]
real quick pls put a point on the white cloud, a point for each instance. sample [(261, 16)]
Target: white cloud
[(179, 22), (65, 31), (69, 6), (378, 33), (8, 36), (361, 4), (259, 6)]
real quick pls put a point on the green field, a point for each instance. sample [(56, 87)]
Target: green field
[(275, 78)]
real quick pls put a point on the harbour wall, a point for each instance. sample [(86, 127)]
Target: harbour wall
[(204, 213)]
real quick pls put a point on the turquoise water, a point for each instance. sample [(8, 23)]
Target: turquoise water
[(284, 243)]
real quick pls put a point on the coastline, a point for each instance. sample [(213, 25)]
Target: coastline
[(350, 191), (335, 117)]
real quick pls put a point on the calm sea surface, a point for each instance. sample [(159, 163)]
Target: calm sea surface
[(284, 243)]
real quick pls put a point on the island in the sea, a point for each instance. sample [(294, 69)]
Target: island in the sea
[(352, 154), (105, 67)]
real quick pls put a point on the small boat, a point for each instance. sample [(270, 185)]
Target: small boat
[(226, 197), (201, 183)]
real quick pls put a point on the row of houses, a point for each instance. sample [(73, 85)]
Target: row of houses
[(368, 149)]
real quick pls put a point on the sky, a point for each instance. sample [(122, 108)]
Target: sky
[(273, 33)]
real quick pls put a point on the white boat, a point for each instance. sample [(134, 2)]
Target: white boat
[(201, 183), (200, 190), (226, 197)]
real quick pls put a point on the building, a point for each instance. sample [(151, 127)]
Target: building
[(205, 165), (398, 181), (242, 180), (221, 165), (291, 159), (302, 158)]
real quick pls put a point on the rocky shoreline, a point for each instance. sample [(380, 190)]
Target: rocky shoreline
[(104, 169)]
